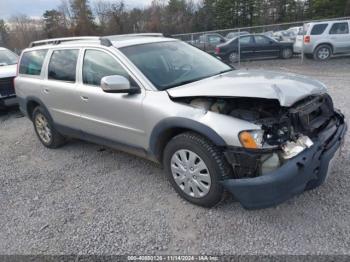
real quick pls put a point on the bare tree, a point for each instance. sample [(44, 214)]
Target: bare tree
[(24, 30)]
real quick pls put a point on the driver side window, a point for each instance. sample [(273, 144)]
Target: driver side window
[(98, 64)]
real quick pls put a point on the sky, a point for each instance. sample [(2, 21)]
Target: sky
[(35, 8)]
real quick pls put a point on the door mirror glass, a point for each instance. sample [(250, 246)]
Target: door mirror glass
[(117, 84)]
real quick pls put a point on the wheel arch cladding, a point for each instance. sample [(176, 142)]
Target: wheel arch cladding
[(166, 129), (328, 44), (34, 102)]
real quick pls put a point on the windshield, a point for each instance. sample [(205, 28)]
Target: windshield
[(7, 58), (173, 63)]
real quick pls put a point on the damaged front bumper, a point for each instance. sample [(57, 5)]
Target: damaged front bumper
[(305, 171)]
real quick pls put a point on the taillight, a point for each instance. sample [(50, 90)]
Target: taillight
[(307, 39), (217, 50)]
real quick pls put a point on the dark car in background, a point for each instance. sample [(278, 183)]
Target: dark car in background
[(8, 69), (253, 47), (208, 42), (236, 34)]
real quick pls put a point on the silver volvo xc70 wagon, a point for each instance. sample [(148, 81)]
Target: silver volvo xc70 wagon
[(262, 136)]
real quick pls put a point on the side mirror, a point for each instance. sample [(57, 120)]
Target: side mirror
[(117, 84)]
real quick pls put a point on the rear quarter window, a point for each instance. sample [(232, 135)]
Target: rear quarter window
[(32, 62), (339, 28), (63, 64), (318, 29)]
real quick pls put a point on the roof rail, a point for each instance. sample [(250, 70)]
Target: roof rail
[(139, 34), (56, 41)]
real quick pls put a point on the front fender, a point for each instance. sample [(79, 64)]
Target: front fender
[(183, 123)]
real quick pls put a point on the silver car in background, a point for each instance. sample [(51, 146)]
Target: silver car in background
[(321, 40), (261, 135), (8, 69)]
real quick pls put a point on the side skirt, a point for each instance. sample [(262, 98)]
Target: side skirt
[(130, 149)]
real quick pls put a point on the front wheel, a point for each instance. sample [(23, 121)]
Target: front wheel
[(195, 168)]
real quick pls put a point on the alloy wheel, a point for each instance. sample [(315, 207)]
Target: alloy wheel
[(233, 57), (323, 53), (43, 129)]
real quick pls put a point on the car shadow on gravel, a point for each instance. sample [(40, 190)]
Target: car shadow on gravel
[(10, 112)]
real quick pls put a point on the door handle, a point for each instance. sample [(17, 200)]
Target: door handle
[(46, 90), (84, 98)]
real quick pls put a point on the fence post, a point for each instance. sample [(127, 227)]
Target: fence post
[(239, 47), (302, 45)]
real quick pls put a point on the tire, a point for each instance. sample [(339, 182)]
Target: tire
[(232, 58), (287, 53), (45, 130), (323, 53), (201, 190)]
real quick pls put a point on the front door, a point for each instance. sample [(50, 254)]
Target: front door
[(266, 47), (110, 116), (340, 36), (246, 47)]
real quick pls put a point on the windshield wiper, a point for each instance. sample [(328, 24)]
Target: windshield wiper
[(197, 79), (185, 82), (224, 71)]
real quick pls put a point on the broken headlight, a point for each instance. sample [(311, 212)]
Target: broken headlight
[(252, 139)]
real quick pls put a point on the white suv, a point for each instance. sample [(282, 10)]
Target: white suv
[(321, 40)]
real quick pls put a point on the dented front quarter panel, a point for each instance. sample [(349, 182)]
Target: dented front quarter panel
[(160, 107)]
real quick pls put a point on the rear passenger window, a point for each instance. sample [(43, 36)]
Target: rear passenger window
[(31, 62), (98, 64), (318, 29), (245, 40), (339, 29), (262, 40), (63, 65)]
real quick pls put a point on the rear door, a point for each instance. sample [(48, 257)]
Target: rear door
[(266, 47), (59, 89), (246, 46), (340, 36)]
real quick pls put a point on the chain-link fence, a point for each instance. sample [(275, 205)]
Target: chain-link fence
[(255, 42)]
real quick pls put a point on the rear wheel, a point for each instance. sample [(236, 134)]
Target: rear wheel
[(233, 58), (45, 130), (195, 168), (323, 53)]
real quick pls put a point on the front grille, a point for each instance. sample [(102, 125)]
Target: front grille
[(6, 87), (312, 114)]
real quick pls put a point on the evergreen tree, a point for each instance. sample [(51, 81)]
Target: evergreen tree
[(83, 18)]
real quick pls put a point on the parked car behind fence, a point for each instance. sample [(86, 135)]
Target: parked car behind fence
[(208, 42), (253, 47), (321, 40)]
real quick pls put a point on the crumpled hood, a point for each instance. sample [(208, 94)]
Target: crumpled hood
[(8, 71), (285, 87)]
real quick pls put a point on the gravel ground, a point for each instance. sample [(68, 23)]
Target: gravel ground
[(87, 199)]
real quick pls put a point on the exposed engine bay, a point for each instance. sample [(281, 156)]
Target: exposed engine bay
[(285, 131)]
